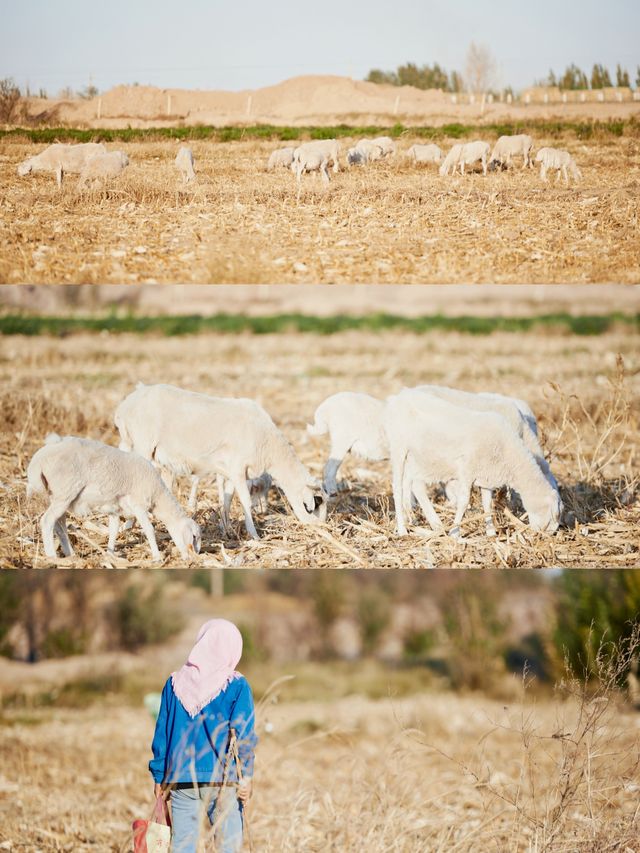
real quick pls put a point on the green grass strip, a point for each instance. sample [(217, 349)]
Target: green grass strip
[(170, 326), (582, 130)]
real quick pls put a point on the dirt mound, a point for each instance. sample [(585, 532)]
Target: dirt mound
[(305, 100)]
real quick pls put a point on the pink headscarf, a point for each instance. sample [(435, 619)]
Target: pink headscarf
[(210, 666)]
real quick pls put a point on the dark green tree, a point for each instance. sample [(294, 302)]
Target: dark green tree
[(622, 76), (592, 608)]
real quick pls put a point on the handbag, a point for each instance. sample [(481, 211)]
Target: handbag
[(153, 836)]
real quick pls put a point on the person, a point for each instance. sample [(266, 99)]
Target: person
[(204, 741)]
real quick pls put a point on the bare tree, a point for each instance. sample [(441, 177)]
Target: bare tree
[(9, 100), (480, 69)]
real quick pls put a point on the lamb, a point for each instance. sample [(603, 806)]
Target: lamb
[(466, 155), (184, 163), (354, 424), (387, 145), (108, 165), (561, 161), (184, 432), (281, 157), (61, 158), (432, 440), (507, 147), (518, 415), (425, 153), (365, 151), (81, 475), (315, 157)]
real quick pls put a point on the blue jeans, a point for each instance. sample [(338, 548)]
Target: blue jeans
[(223, 809)]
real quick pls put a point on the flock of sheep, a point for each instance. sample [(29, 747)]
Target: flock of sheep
[(318, 155), (431, 434), (93, 162)]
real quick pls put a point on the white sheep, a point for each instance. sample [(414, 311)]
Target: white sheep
[(316, 156), (425, 153), (61, 158), (365, 151), (508, 147), (518, 415), (466, 155), (281, 157), (108, 165), (387, 145), (561, 161), (186, 433), (184, 163), (354, 424), (81, 476), (432, 440)]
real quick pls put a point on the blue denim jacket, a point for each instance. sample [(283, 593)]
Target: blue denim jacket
[(194, 749)]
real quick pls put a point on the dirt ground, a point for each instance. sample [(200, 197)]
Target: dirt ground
[(587, 412), (390, 222), (435, 772)]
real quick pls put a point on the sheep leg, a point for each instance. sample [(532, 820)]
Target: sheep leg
[(484, 166), (564, 175), (324, 171), (114, 527), (193, 494), (59, 176), (462, 168), (245, 499), (420, 491), (398, 467), (167, 478), (225, 496), (464, 495), (48, 524), (543, 173), (330, 473), (61, 529), (145, 523), (487, 499)]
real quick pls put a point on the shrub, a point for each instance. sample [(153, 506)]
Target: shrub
[(374, 613), (9, 100), (142, 617)]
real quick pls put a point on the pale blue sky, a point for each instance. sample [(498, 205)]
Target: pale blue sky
[(209, 44)]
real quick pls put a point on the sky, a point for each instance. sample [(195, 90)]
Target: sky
[(207, 44)]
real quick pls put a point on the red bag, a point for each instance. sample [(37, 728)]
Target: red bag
[(156, 831)]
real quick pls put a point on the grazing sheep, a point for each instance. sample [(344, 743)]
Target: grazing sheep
[(507, 147), (561, 161), (432, 440), (387, 145), (354, 424), (108, 165), (281, 157), (315, 157), (184, 163), (82, 476), (61, 158), (425, 153), (364, 152), (186, 433), (517, 414), (466, 155)]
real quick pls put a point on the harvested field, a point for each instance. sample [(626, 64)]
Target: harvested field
[(435, 771), (391, 222), (585, 400)]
